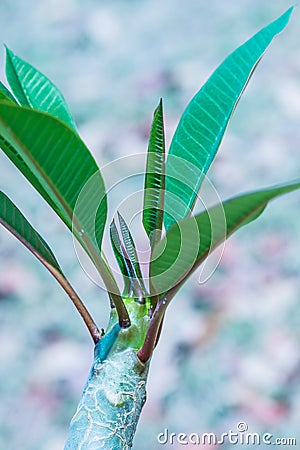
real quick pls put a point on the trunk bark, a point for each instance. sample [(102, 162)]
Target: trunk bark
[(113, 397)]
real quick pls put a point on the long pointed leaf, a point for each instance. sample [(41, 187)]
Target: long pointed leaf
[(135, 287), (12, 219), (58, 164), (35, 90), (155, 178), (203, 123), (121, 258), (16, 159), (131, 256), (130, 246), (188, 241)]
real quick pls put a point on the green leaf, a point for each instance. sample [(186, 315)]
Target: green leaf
[(129, 246), (121, 258), (14, 221), (16, 159), (188, 242), (155, 178), (133, 284), (35, 90), (203, 123), (58, 164), (5, 94)]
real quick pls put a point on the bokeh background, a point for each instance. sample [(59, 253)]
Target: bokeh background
[(230, 347)]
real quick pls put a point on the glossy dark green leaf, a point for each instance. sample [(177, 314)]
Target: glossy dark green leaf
[(203, 123), (14, 221), (35, 90), (188, 241), (155, 178), (57, 163)]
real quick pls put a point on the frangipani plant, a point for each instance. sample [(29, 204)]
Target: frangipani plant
[(38, 134)]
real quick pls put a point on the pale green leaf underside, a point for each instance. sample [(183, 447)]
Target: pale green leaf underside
[(188, 241), (205, 119), (14, 221), (35, 90), (57, 163), (155, 177)]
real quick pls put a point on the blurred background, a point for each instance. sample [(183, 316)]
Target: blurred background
[(230, 347)]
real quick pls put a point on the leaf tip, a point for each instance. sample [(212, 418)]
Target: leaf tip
[(8, 51), (283, 20), (112, 223), (159, 109), (112, 228)]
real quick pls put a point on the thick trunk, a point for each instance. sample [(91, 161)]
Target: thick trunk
[(109, 410), (114, 395)]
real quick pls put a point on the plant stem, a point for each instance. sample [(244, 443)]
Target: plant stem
[(57, 274), (79, 305), (115, 392), (145, 352), (109, 281)]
